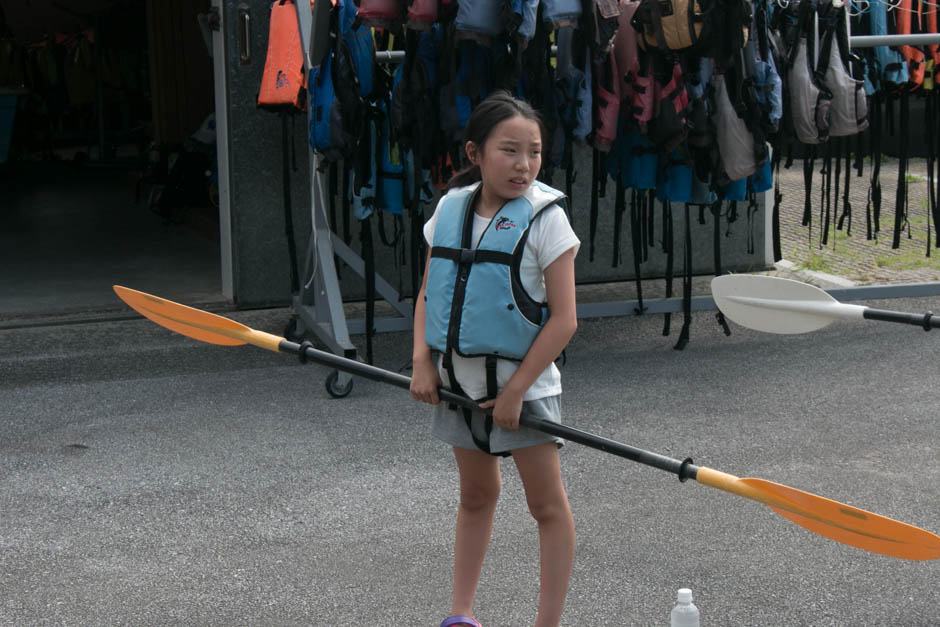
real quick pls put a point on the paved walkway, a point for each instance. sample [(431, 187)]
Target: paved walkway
[(849, 254), (149, 479)]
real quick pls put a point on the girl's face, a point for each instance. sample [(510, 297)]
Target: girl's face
[(509, 161)]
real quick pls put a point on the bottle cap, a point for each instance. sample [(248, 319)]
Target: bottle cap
[(684, 596)]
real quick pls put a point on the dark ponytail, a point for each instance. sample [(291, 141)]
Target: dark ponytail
[(497, 107)]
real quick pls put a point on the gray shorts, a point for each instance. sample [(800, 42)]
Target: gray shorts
[(451, 427)]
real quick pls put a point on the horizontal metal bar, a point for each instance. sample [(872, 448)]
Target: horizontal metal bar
[(357, 326), (875, 292), (870, 41), (650, 306), (389, 56)]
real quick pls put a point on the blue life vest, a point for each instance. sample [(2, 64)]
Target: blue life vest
[(475, 302)]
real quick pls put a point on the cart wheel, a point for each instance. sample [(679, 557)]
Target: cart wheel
[(335, 390), (290, 330)]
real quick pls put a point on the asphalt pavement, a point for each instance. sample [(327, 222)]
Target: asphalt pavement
[(148, 479)]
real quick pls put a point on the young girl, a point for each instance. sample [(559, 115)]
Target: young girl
[(498, 304)]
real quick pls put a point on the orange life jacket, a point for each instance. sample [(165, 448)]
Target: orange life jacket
[(284, 83), (914, 56)]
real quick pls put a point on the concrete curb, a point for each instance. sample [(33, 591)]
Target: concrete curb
[(823, 280)]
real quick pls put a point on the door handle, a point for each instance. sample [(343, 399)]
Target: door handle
[(244, 35)]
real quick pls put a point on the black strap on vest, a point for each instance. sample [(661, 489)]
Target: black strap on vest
[(288, 212), (637, 232), (491, 392), (467, 256), (368, 257), (596, 173), (826, 205), (619, 209), (809, 165), (333, 178), (930, 111), (775, 215), (686, 285), (900, 206), (878, 101), (668, 248), (845, 218), (716, 211)]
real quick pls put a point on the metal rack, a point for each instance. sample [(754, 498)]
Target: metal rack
[(319, 305)]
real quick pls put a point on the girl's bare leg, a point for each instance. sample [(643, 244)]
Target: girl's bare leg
[(480, 484), (540, 471)]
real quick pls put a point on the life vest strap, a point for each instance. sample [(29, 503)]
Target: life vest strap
[(471, 255)]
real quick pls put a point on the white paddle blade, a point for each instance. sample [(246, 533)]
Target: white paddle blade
[(777, 305)]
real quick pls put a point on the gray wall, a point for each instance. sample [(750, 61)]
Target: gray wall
[(259, 248), (260, 262), (733, 240)]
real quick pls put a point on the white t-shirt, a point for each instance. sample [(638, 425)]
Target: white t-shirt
[(549, 236)]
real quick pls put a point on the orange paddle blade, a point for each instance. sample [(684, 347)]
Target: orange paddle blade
[(195, 323), (853, 526), (831, 519)]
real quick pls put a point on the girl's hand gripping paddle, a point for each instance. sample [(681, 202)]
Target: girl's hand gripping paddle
[(834, 520)]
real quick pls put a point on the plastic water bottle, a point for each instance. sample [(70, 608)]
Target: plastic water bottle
[(684, 614)]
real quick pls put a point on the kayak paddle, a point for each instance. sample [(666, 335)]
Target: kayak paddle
[(837, 521), (778, 305)]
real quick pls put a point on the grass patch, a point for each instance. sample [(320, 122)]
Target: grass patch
[(908, 258), (817, 263)]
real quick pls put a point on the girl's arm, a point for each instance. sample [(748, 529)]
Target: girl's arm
[(551, 340), (424, 376)]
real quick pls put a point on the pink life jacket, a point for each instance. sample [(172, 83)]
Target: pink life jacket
[(607, 100), (624, 47)]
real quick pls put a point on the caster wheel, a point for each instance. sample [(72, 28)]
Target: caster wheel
[(291, 332), (334, 389)]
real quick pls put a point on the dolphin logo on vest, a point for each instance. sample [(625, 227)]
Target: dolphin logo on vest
[(504, 224)]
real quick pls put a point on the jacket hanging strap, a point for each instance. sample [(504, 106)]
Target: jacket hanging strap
[(368, 256), (288, 210), (686, 285), (596, 173), (669, 248), (636, 231), (900, 207)]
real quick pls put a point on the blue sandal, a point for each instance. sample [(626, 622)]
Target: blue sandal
[(450, 621)]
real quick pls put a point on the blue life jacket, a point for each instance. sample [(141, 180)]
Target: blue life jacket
[(476, 304), (339, 86), (890, 69)]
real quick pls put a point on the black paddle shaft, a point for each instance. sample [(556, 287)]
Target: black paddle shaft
[(927, 321), (684, 469)]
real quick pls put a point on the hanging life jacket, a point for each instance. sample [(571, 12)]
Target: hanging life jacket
[(667, 130), (887, 69), (810, 100), (716, 29), (422, 14), (625, 48), (283, 83), (735, 141), (475, 302), (671, 24), (385, 14), (914, 56), (340, 85), (849, 108), (607, 103)]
